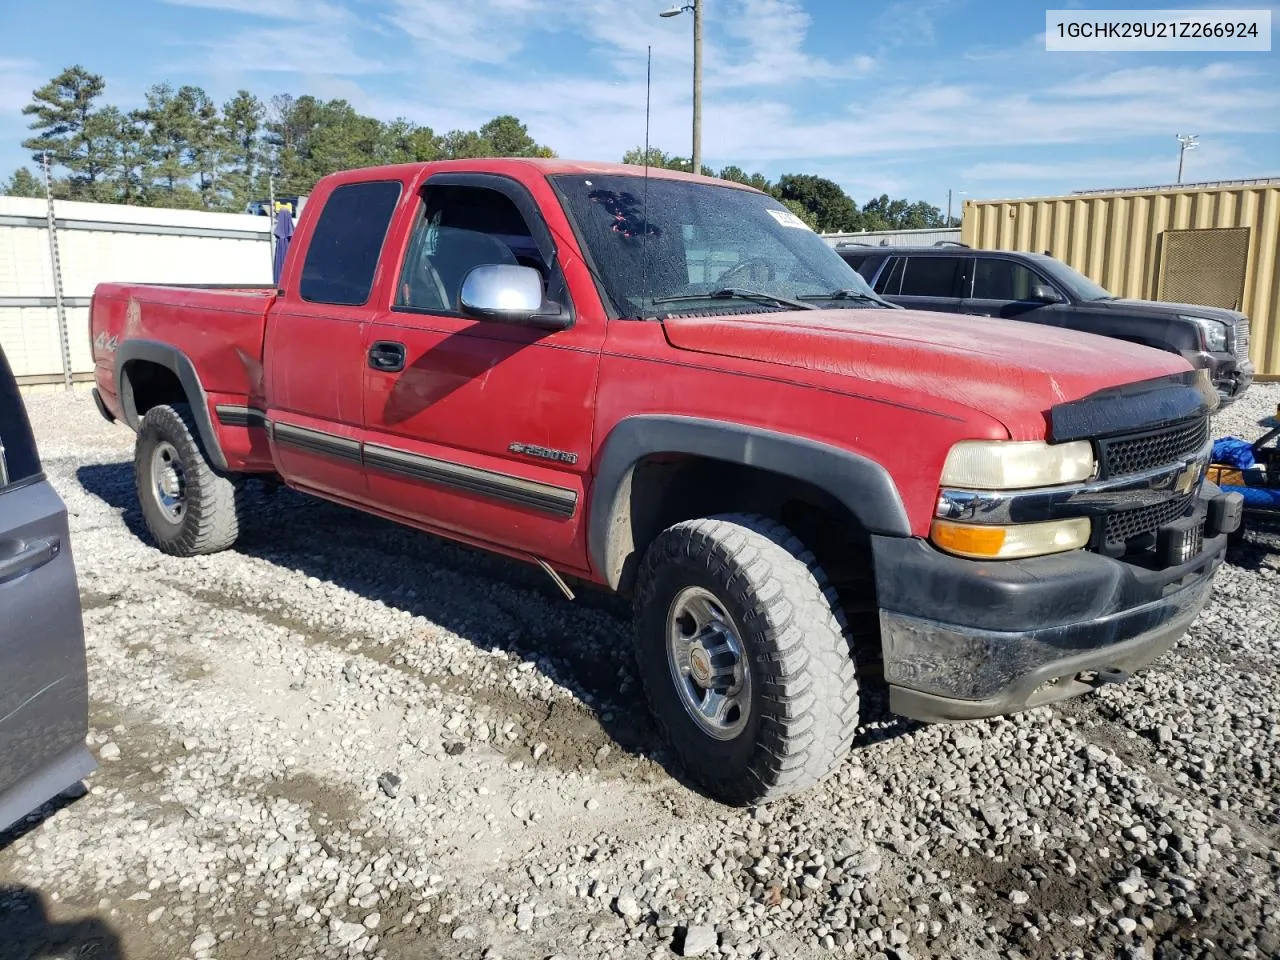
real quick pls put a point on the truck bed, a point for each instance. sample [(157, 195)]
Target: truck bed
[(219, 329)]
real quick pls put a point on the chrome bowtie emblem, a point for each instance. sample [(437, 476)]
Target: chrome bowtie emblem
[(1189, 477)]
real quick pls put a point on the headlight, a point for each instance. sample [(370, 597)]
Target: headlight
[(988, 542), (1213, 333), (1016, 465)]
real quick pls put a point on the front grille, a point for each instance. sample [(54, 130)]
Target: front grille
[(1242, 339), (1123, 526), (1126, 455)]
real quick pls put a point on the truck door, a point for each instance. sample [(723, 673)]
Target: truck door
[(315, 350), (1008, 289), (44, 695), (474, 427)]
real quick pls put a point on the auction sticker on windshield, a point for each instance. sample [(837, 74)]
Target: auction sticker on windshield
[(787, 218), (1152, 30)]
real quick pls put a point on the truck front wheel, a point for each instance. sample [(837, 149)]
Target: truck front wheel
[(745, 657), (188, 506)]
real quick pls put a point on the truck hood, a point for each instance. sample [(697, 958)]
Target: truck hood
[(1160, 308), (1012, 371)]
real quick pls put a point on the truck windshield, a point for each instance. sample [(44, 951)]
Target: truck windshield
[(693, 247)]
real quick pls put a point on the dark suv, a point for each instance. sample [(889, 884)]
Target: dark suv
[(953, 278)]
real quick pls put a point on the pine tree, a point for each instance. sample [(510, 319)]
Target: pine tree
[(62, 112), (23, 183), (242, 118)]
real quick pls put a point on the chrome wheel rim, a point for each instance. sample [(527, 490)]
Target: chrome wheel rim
[(169, 479), (708, 663)]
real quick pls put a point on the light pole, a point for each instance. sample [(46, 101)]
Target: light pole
[(961, 193), (1185, 144), (694, 7)]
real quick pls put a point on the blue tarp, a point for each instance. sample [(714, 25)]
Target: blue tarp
[(1234, 452)]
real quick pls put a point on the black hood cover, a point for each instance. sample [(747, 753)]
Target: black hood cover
[(1145, 405)]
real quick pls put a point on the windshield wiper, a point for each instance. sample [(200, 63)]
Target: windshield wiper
[(845, 294), (737, 293)]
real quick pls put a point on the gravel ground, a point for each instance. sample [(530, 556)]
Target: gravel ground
[(344, 738)]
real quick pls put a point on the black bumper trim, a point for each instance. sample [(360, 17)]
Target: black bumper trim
[(102, 407), (939, 671), (1057, 680)]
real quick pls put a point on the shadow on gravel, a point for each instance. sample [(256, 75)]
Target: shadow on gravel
[(1261, 540), (28, 933), (492, 602), (36, 819)]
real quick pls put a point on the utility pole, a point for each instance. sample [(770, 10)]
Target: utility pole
[(1185, 144), (697, 86), (694, 7)]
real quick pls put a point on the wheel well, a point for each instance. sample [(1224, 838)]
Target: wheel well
[(662, 490), (146, 385)]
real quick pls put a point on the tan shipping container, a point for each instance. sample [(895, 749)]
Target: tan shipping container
[(1214, 245)]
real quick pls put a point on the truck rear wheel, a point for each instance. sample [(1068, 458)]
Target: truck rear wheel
[(189, 507), (745, 657)]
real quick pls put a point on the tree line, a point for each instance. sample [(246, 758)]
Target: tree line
[(182, 149), (819, 202)]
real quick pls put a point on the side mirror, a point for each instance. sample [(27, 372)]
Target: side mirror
[(506, 293), (1043, 293)]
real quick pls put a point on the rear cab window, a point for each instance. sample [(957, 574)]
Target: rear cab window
[(342, 256), (19, 461)]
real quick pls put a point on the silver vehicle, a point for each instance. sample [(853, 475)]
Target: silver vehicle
[(44, 697)]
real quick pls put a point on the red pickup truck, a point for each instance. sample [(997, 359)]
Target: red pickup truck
[(667, 385)]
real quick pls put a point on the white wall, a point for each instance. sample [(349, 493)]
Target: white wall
[(904, 238), (101, 242)]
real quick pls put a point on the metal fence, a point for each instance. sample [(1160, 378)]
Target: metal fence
[(42, 272)]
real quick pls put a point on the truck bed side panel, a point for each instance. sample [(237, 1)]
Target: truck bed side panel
[(220, 331)]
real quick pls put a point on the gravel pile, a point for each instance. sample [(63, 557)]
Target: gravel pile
[(347, 739)]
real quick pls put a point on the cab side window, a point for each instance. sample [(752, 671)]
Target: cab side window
[(930, 276), (18, 458), (890, 280), (995, 279), (458, 229)]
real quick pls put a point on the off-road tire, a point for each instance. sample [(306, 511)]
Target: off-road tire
[(211, 519), (804, 709)]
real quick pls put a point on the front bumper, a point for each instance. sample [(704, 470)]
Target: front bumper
[(1230, 376), (964, 639)]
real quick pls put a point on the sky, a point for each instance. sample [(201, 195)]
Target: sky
[(911, 99)]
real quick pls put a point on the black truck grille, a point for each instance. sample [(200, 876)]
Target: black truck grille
[(1123, 526), (1126, 455)]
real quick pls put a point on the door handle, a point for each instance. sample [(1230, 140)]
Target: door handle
[(387, 355), (31, 557)]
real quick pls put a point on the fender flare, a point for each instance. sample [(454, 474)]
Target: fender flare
[(859, 483), (171, 358)]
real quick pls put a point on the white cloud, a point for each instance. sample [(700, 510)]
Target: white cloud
[(18, 77), (304, 50), (486, 31), (304, 11), (909, 22)]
